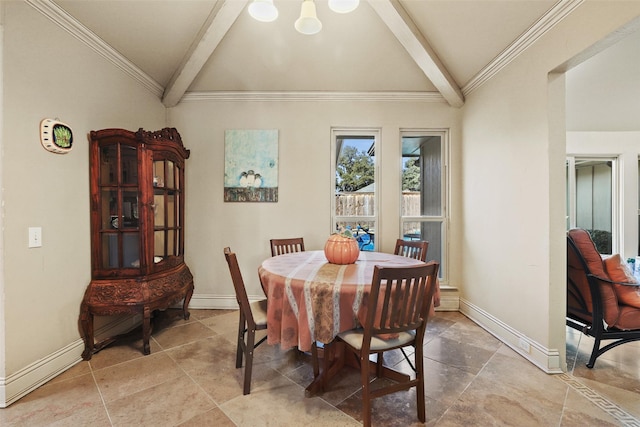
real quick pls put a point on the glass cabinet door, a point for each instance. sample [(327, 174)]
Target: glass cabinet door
[(167, 194), (118, 206)]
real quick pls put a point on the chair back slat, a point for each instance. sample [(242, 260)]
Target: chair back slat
[(400, 298), (238, 285), (416, 249), (286, 246)]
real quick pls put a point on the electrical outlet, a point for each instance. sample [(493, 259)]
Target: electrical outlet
[(35, 237), (524, 344)]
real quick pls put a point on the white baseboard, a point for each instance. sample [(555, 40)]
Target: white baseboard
[(449, 303), (38, 373), (217, 302), (548, 360), (29, 378)]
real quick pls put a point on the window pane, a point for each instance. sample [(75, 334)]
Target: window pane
[(171, 210), (594, 201), (363, 231), (158, 208), (130, 208), (110, 251), (355, 163), (431, 231), (109, 208), (158, 246), (108, 163), (423, 189), (130, 252), (170, 240), (355, 191), (170, 175), (131, 248), (422, 175), (129, 157), (158, 174)]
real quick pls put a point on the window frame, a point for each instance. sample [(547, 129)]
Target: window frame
[(374, 133), (443, 218), (616, 199)]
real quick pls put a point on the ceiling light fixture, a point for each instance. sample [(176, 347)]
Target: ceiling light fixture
[(308, 22), (343, 6), (263, 10)]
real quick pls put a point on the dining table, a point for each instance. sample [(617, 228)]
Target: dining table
[(311, 300)]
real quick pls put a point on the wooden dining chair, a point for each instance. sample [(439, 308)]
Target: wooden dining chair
[(398, 308), (253, 317), (416, 249), (287, 246)]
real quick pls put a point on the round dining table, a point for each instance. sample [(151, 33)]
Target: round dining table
[(311, 300)]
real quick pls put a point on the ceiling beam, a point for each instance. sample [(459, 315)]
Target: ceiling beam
[(221, 18), (409, 36)]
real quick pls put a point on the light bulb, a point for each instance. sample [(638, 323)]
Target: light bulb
[(343, 6), (308, 23), (263, 10)]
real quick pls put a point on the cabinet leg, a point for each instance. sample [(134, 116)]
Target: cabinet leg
[(146, 330), (86, 324), (185, 304)]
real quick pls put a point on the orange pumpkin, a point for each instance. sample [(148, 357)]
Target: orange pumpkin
[(341, 250)]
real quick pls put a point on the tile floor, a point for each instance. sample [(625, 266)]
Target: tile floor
[(190, 379)]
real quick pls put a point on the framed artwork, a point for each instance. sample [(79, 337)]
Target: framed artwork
[(251, 165)]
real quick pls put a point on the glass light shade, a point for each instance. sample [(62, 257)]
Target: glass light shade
[(263, 10), (308, 23), (343, 6)]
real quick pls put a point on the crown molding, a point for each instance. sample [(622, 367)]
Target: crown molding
[(553, 16), (67, 22), (314, 96)]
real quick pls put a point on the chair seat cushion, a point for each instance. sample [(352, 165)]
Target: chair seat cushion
[(629, 318), (259, 311), (354, 338)]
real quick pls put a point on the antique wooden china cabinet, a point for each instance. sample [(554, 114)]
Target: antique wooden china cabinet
[(137, 229)]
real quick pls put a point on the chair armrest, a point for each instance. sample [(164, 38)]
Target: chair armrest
[(602, 279)]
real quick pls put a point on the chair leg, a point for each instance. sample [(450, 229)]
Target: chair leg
[(594, 353), (241, 345), (251, 336), (420, 385), (366, 398)]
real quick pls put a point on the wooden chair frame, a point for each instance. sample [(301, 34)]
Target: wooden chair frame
[(399, 303), (590, 319), (286, 246), (249, 323), (416, 249)]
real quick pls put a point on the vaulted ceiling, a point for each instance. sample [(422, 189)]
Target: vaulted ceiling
[(441, 49)]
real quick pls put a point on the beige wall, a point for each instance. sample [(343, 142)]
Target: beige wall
[(305, 183), (513, 187), (49, 74)]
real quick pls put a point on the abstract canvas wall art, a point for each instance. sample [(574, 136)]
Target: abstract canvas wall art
[(251, 165)]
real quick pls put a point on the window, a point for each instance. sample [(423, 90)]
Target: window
[(424, 191), (592, 199), (355, 204)]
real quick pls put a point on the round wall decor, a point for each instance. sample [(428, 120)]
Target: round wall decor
[(56, 136)]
